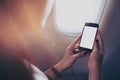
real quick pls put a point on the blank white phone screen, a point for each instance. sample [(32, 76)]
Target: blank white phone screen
[(88, 37)]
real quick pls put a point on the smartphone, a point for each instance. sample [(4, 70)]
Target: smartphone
[(88, 37)]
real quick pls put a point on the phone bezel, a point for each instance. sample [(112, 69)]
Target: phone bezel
[(90, 25)]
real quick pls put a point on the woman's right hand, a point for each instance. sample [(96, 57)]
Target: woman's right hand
[(97, 54), (95, 59)]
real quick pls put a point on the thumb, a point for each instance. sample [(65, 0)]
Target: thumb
[(96, 45), (78, 55)]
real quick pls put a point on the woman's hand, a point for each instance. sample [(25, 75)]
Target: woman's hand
[(72, 53), (97, 54), (95, 59)]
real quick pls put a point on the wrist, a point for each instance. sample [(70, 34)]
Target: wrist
[(94, 71), (94, 62), (55, 71), (60, 67), (94, 65)]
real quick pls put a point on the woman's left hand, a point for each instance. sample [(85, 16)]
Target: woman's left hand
[(72, 53)]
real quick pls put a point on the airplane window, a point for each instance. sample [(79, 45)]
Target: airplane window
[(70, 15)]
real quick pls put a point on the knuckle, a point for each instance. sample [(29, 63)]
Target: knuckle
[(68, 48)]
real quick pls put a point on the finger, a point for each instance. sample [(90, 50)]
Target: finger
[(76, 46), (100, 42), (96, 47), (97, 44), (76, 51), (72, 45), (81, 54)]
